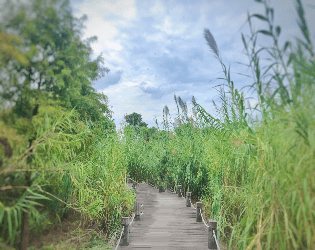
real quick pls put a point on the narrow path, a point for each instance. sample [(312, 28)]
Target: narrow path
[(166, 223)]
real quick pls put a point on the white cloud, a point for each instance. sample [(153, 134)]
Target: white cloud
[(155, 37), (103, 19), (109, 9), (112, 45), (157, 9), (171, 27), (159, 47), (127, 98)]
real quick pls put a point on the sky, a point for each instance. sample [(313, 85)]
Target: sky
[(156, 48)]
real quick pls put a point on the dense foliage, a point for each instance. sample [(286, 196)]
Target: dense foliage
[(65, 153), (253, 167)]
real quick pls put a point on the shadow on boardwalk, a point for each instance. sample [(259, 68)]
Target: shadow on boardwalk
[(166, 223)]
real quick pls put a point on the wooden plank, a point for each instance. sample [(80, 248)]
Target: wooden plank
[(166, 223)]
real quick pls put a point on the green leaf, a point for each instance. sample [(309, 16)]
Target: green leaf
[(261, 17), (286, 45), (244, 41), (9, 223), (265, 32), (278, 31), (291, 58), (16, 220), (272, 14), (2, 211)]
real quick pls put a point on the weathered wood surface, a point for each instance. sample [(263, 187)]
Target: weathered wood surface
[(166, 223)]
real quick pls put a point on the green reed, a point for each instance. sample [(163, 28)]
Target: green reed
[(254, 171)]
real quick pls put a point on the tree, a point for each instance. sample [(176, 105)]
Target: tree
[(148, 133), (44, 65), (135, 119), (59, 64)]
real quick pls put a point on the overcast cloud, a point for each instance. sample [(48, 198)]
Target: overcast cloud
[(155, 49)]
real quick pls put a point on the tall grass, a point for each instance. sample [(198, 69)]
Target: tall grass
[(95, 170), (255, 174), (75, 167)]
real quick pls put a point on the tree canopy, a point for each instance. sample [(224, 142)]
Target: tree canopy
[(135, 119), (45, 58), (46, 75)]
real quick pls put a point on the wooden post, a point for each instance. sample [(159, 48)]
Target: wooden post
[(25, 230), (148, 181), (160, 189), (188, 199), (198, 211), (179, 190), (137, 210), (134, 184), (125, 236), (211, 240)]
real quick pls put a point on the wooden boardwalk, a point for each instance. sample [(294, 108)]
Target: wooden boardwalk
[(166, 223)]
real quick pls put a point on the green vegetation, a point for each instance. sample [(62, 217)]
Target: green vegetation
[(253, 168), (135, 120), (65, 154)]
